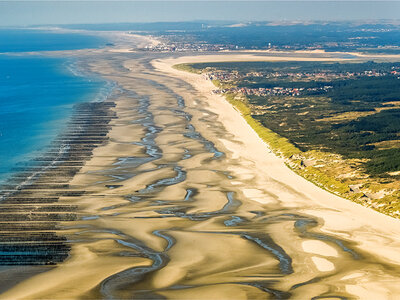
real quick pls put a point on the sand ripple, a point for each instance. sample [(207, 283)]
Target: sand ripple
[(169, 211)]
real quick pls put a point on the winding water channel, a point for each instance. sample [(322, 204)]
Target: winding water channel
[(166, 212)]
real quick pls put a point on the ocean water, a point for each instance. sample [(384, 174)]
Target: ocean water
[(26, 40), (37, 94)]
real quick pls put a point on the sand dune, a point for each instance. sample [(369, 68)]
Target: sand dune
[(185, 201)]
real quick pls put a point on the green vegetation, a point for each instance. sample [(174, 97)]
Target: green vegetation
[(275, 141), (345, 139), (187, 68), (284, 148), (294, 66), (312, 120)]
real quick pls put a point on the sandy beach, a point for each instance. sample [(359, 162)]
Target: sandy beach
[(183, 200), (364, 226)]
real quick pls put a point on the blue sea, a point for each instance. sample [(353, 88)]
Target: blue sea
[(37, 93)]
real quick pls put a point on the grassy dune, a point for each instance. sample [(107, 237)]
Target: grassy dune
[(330, 171)]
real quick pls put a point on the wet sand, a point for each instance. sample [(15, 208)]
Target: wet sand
[(184, 201)]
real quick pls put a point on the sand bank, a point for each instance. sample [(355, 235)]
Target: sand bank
[(185, 201), (371, 230)]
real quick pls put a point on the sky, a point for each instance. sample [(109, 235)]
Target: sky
[(25, 13)]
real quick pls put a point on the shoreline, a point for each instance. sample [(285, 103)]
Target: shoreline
[(34, 198), (293, 156), (297, 160), (234, 122), (125, 224), (51, 114)]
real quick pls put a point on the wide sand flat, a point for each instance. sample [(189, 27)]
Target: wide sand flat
[(372, 231), (185, 201)]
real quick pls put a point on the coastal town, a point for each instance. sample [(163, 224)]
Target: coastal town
[(197, 41), (304, 76), (200, 149), (190, 47), (231, 77), (275, 91)]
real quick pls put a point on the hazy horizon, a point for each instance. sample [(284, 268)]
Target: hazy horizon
[(26, 13)]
